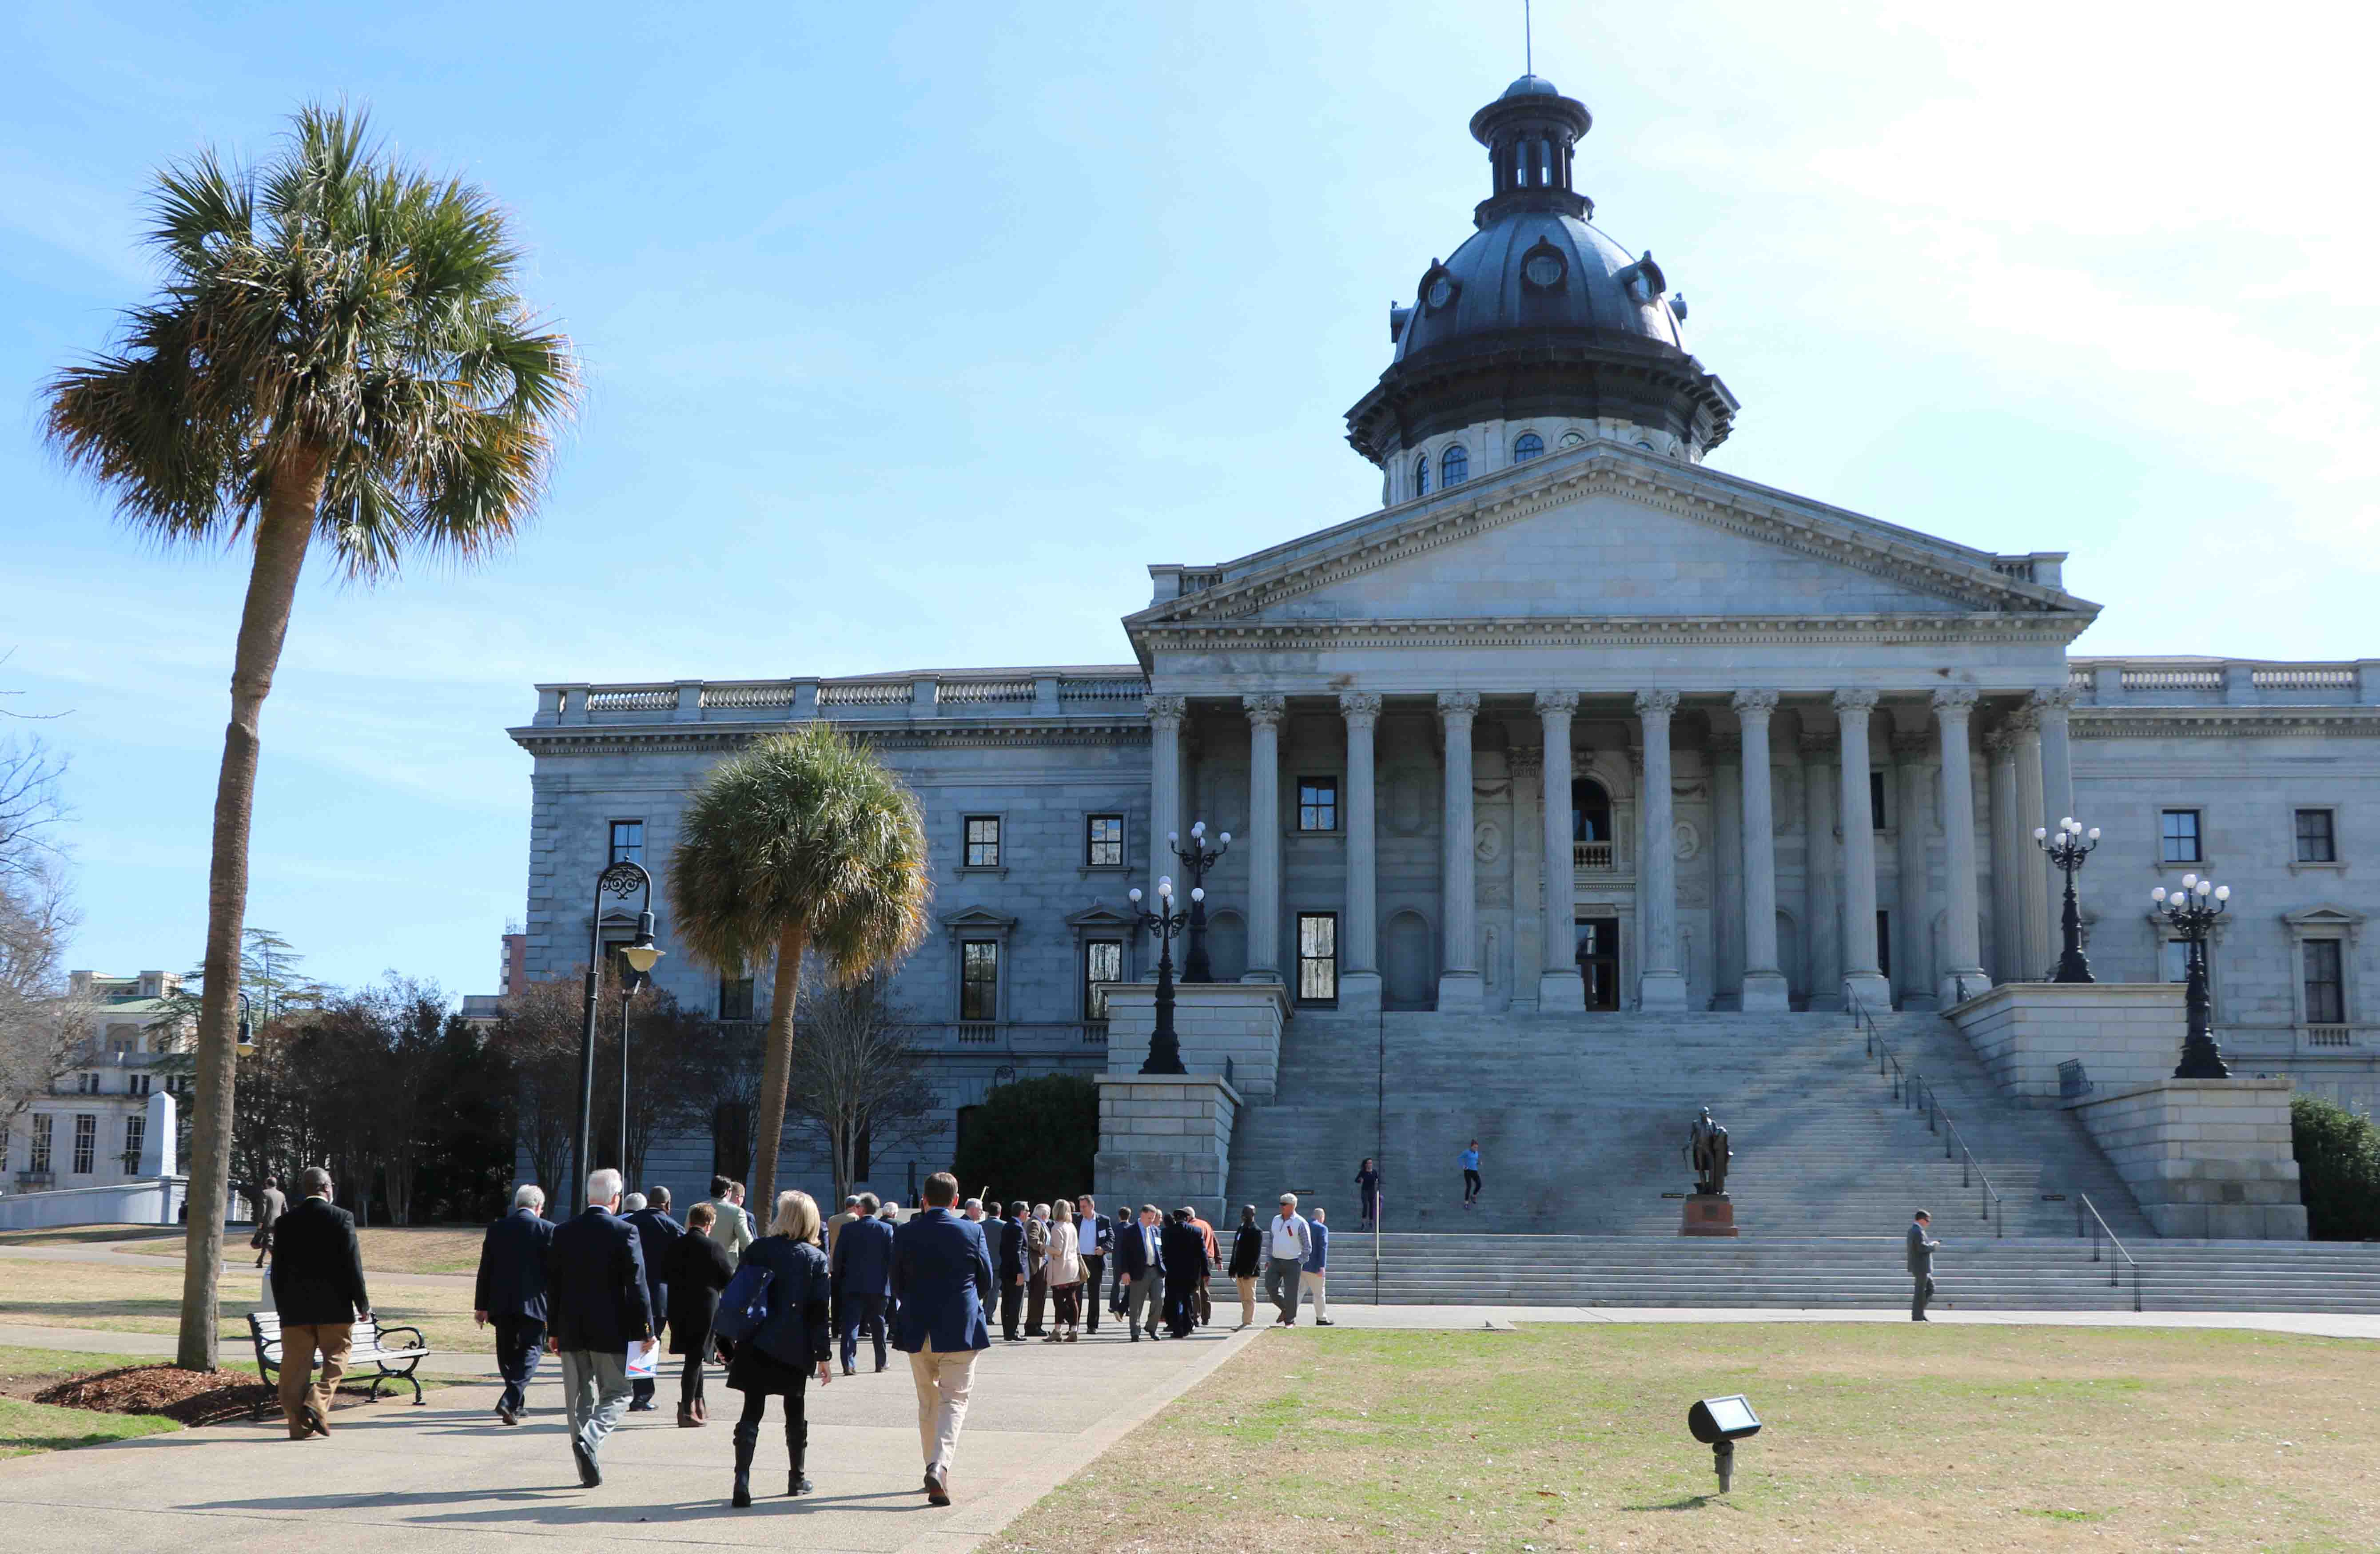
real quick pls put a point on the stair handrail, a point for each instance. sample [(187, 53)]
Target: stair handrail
[(1910, 1087), (2099, 1228)]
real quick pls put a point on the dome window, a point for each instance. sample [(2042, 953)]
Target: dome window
[(1456, 468), (1543, 267), (1573, 440), (1421, 476), (1529, 446), (1438, 288)]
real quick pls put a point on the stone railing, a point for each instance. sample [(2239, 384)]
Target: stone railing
[(2329, 1036), (1593, 857), (2221, 682), (959, 693)]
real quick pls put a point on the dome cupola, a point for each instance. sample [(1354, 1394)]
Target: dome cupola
[(1536, 318)]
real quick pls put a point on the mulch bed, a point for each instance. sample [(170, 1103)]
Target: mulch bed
[(189, 1397)]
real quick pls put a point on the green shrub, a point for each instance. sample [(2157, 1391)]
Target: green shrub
[(1032, 1140), (2338, 1170)]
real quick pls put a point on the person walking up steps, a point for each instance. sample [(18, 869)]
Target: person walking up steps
[(1368, 1191), (1469, 1161)]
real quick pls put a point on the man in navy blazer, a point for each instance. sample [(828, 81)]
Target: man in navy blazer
[(1009, 1248), (1097, 1239), (597, 1304), (863, 1280), (942, 1281), (511, 1294), (1140, 1261), (656, 1233)]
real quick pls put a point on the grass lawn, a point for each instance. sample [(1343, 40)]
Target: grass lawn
[(387, 1248), (92, 1236), (131, 1297), (1879, 1436), (27, 1427)]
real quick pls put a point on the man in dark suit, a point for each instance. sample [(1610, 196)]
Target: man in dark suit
[(1096, 1238), (1140, 1261), (511, 1294), (597, 1303), (1184, 1251), (1011, 1253), (942, 1280), (1921, 1247), (318, 1287), (862, 1265), (655, 1233)]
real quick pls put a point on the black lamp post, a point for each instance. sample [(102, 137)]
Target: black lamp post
[(639, 957), (2066, 847), (622, 879), (1199, 860), (1164, 1047), (2192, 911)]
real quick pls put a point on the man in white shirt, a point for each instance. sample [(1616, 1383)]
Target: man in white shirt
[(1289, 1242)]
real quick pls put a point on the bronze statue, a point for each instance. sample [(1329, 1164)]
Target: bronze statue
[(1707, 1148)]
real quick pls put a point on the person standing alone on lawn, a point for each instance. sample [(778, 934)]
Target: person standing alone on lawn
[(318, 1287), (1921, 1248), (510, 1292), (597, 1304), (1469, 1161), (942, 1280)]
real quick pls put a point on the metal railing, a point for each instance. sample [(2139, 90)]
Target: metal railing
[(2098, 1227), (1911, 1088)]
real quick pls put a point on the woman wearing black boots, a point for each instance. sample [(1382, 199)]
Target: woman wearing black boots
[(778, 1359)]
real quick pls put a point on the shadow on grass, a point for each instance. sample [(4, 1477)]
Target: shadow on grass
[(1692, 1502)]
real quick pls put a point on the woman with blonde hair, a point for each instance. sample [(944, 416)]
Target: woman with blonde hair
[(1066, 1273), (778, 1358)]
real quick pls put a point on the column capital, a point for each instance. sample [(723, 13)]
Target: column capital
[(1753, 704), (2053, 703), (1454, 704), (1168, 708), (1860, 701), (1562, 702), (1265, 710), (1362, 707), (2000, 741), (1954, 702), (2021, 720), (1660, 704)]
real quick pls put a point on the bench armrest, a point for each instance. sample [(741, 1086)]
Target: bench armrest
[(418, 1342)]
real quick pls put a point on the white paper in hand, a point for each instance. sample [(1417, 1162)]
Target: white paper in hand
[(644, 1361)]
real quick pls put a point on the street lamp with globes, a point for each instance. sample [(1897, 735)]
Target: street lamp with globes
[(2192, 911), (623, 878), (2066, 847), (1164, 1047), (1198, 861)]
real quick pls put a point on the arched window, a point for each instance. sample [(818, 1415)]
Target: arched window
[(1590, 811), (1529, 447), (1456, 468), (1421, 476)]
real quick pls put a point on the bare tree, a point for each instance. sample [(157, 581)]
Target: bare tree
[(538, 1031), (43, 1032), (858, 1078)]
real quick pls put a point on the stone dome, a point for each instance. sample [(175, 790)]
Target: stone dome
[(1537, 312)]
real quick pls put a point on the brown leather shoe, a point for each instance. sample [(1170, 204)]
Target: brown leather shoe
[(316, 1424), (938, 1487)]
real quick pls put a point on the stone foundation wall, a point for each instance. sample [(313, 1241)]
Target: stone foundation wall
[(2125, 1033), (1165, 1140), (1224, 1027), (2205, 1158)]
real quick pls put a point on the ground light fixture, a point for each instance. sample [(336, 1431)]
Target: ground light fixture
[(1719, 1423)]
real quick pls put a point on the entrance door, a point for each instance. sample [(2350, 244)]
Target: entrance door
[(1598, 960)]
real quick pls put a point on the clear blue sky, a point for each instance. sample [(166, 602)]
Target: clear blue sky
[(916, 332)]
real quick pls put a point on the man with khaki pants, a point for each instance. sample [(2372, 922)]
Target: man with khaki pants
[(318, 1287), (941, 1278)]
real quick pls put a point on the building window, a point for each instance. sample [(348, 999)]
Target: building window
[(1454, 468), (735, 998), (2175, 966), (135, 1138), (983, 842), (1875, 817), (2325, 987), (1529, 447), (1103, 842), (2179, 833), (731, 1139), (87, 1083), (1884, 942), (1590, 811), (1421, 476), (86, 1142), (1318, 804), (2317, 843), (980, 980), (628, 842), (1318, 957), (37, 1160), (137, 1083), (1102, 965)]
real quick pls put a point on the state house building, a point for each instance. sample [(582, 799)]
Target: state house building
[(1573, 723)]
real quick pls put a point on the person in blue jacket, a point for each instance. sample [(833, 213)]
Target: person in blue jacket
[(863, 1280), (941, 1285), (789, 1345)]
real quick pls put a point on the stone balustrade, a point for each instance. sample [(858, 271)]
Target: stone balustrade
[(2192, 681), (1083, 693)]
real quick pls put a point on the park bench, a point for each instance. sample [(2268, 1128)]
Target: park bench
[(372, 1344)]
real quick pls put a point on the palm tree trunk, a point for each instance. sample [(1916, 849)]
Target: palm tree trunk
[(280, 538), (776, 1074)]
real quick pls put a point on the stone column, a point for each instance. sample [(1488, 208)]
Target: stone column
[(1264, 837), (1861, 977), (1764, 984), (2051, 709), (1964, 977), (2033, 922), (1458, 982), (1359, 932), (2008, 939), (1165, 715), (1659, 986), (1559, 986), (1822, 935), (1913, 919), (1726, 868)]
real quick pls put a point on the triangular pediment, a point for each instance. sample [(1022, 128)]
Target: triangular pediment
[(1606, 532), (1102, 915)]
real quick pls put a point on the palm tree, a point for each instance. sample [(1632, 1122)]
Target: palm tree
[(337, 352), (802, 843)]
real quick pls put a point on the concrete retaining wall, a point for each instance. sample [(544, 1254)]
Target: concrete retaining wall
[(1165, 1140), (1218, 1024), (2125, 1033), (123, 1203), (2205, 1158)]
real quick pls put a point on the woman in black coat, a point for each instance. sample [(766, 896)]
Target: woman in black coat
[(778, 1359), (698, 1271), (1247, 1261)]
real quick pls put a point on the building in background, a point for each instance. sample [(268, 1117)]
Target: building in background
[(92, 1129)]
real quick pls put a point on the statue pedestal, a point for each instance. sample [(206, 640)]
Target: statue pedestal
[(1708, 1214)]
